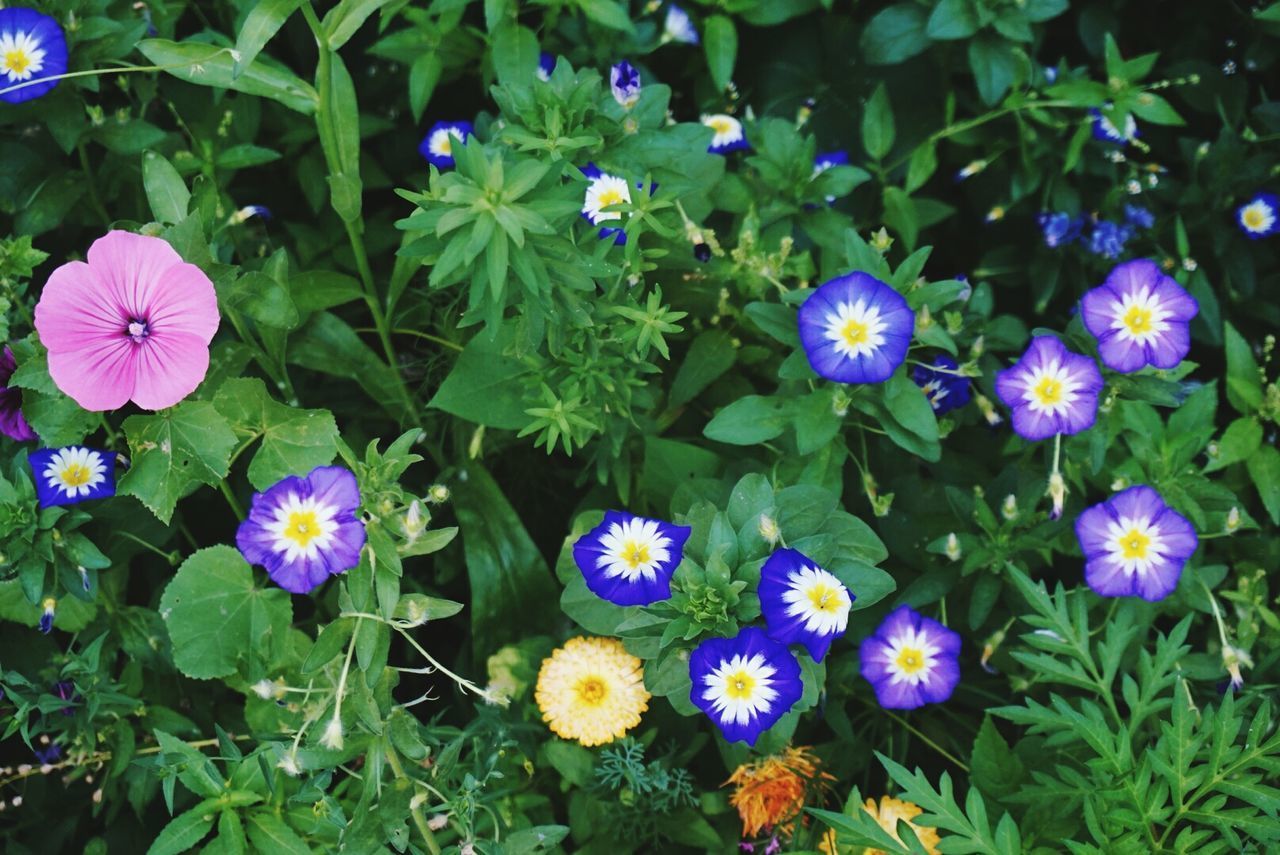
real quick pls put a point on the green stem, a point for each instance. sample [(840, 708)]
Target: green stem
[(443, 342), (231, 499), (918, 734), (168, 557), (94, 198), (419, 821), (96, 72)]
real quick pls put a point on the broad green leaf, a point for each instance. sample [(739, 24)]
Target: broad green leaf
[(167, 193), (185, 830), (900, 215), (328, 344), (268, 833), (263, 21), (877, 124), (424, 74), (895, 35), (515, 54), (994, 66), (340, 114), (346, 18), (72, 614), (1239, 441), (210, 65), (316, 290), (749, 421), (484, 387), (260, 297), (173, 451), (1244, 383), (720, 40), (1264, 469), (607, 13), (294, 440), (711, 355), (953, 19), (217, 617)]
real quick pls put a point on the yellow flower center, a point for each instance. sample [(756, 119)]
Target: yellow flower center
[(592, 691), (1134, 544), (855, 332), (739, 686), (611, 197), (1138, 320), (17, 61), (910, 660), (825, 598), (446, 147), (720, 125), (1049, 391), (75, 475), (303, 528), (1253, 218), (635, 554)]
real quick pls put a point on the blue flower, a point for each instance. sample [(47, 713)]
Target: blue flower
[(828, 159), (1140, 317), (945, 389), (67, 476), (1138, 217), (1107, 239), (1058, 227), (437, 145), (49, 609), (745, 683), (911, 660), (546, 64), (802, 603), (1105, 130), (32, 48), (729, 135), (1051, 390), (51, 753), (678, 27), (304, 530), (629, 560), (1260, 216), (856, 329), (624, 80), (604, 191)]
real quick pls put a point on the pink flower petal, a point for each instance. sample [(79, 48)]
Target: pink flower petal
[(76, 311), (132, 268), (170, 366), (98, 377)]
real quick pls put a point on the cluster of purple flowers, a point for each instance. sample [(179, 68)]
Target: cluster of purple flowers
[(1105, 238)]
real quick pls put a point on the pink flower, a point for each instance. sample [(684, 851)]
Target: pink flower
[(134, 323)]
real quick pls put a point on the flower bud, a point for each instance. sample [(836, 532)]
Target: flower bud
[(769, 529), (988, 410), (46, 618), (438, 494), (1009, 510), (1057, 492), (289, 764), (989, 647), (1233, 520), (953, 550), (332, 737), (1233, 659)]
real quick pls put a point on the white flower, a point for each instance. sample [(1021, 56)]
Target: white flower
[(332, 737)]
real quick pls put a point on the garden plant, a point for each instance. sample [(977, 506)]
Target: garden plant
[(609, 426)]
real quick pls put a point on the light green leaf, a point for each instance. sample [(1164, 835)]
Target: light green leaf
[(268, 833), (1264, 469), (720, 40), (952, 19), (217, 617), (895, 35), (484, 387), (210, 65), (184, 831), (424, 74), (749, 421), (1244, 383), (711, 355), (877, 124), (346, 18), (994, 66), (167, 194), (173, 451), (263, 21), (294, 440)]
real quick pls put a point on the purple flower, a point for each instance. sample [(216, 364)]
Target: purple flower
[(945, 390), (546, 64), (304, 530), (828, 159), (48, 611), (802, 603), (628, 560), (745, 683), (437, 145), (1059, 228), (1107, 239), (911, 660), (12, 423), (51, 753), (1105, 130), (67, 476), (1138, 217), (32, 48), (1050, 390), (727, 135), (1134, 545), (1260, 216), (677, 27), (1139, 317), (624, 80), (856, 329)]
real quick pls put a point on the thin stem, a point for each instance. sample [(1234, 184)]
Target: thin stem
[(167, 556), (231, 499), (443, 342), (96, 72), (419, 821), (918, 733), (94, 198)]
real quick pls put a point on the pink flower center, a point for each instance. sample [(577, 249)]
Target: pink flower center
[(137, 330)]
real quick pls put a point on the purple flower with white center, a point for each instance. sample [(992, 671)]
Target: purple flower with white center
[(802, 603), (629, 560), (67, 476), (1058, 227), (1138, 218), (945, 389), (304, 530), (604, 191), (1050, 390), (437, 145), (828, 159), (1139, 317), (745, 683), (1107, 239), (677, 27), (1260, 216), (12, 422), (32, 49), (546, 64), (856, 329), (1134, 545), (624, 80), (911, 660), (1105, 129), (728, 133)]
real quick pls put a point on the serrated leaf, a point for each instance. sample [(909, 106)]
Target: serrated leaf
[(294, 440), (174, 451)]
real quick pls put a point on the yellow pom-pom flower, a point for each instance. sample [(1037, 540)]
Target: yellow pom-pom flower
[(887, 814), (591, 690)]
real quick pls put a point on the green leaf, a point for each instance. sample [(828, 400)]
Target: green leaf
[(994, 66), (777, 320), (512, 594), (720, 40), (173, 451), (294, 440), (217, 617), (316, 290), (346, 18), (607, 13), (710, 356), (260, 297), (952, 19), (1154, 109), (900, 215), (263, 21), (197, 772), (995, 769), (424, 74), (515, 54), (1043, 10), (209, 65), (328, 344), (877, 124), (1239, 441), (329, 643), (1264, 469), (923, 163), (167, 194), (340, 113), (485, 386), (268, 833), (749, 421), (1244, 382), (895, 35), (185, 830)]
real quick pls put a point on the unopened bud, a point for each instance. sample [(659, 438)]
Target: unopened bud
[(438, 494), (1233, 659), (50, 605), (332, 737), (953, 550), (769, 531), (989, 647), (1120, 482), (988, 410), (438, 821), (1233, 520), (1009, 510), (1057, 493), (476, 447), (289, 765)]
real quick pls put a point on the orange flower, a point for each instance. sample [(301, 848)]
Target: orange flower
[(772, 791), (887, 815)]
